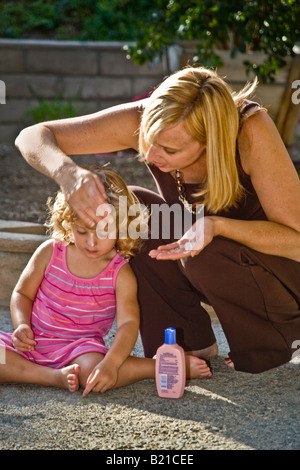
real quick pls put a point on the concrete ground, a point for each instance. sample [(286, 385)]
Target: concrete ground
[(230, 411)]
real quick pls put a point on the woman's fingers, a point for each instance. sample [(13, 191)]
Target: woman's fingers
[(172, 251), (86, 196), (87, 217), (191, 244)]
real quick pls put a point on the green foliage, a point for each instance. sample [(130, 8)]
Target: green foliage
[(115, 20), (17, 18), (48, 110), (271, 26), (95, 20)]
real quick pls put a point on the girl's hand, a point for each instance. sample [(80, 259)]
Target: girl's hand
[(191, 244), (102, 378), (23, 338), (84, 193)]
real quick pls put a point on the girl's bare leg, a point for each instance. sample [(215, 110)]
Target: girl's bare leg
[(133, 370), (84, 366), (17, 369)]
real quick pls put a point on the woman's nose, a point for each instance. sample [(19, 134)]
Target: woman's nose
[(151, 153)]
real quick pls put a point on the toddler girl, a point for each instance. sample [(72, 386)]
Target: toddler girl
[(68, 295)]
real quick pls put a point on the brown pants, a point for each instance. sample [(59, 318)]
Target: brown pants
[(255, 296)]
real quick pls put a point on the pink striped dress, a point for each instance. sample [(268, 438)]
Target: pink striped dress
[(70, 315)]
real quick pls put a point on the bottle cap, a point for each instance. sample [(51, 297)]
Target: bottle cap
[(170, 336)]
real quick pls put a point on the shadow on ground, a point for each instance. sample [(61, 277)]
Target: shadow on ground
[(231, 411)]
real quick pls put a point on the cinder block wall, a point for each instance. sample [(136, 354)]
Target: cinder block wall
[(94, 75)]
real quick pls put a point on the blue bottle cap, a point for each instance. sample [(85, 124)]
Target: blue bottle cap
[(170, 336)]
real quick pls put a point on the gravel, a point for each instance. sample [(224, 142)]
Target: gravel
[(230, 411)]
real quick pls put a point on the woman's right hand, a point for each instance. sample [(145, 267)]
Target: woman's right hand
[(191, 244), (23, 338), (84, 193)]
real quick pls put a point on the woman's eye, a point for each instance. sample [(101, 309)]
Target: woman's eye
[(80, 232)]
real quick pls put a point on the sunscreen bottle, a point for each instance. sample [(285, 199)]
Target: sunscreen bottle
[(170, 371)]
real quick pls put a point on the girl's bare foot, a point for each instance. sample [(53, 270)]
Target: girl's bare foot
[(197, 368), (70, 377)]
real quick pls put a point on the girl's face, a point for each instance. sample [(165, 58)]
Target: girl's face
[(87, 241), (175, 148)]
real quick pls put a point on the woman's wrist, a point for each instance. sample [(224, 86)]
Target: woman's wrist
[(64, 172), (217, 224)]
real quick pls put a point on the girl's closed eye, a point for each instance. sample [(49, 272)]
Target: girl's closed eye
[(80, 230)]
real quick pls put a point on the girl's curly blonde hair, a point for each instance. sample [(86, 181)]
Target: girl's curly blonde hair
[(61, 218)]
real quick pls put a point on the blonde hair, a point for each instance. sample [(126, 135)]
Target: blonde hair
[(61, 217), (210, 113)]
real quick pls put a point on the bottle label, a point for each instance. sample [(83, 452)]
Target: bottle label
[(168, 371), (163, 381)]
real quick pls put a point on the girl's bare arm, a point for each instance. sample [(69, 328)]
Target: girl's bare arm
[(24, 294), (105, 374)]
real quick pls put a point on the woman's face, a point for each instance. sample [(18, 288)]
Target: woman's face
[(175, 149)]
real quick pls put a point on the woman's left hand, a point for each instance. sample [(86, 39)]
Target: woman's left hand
[(191, 244)]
